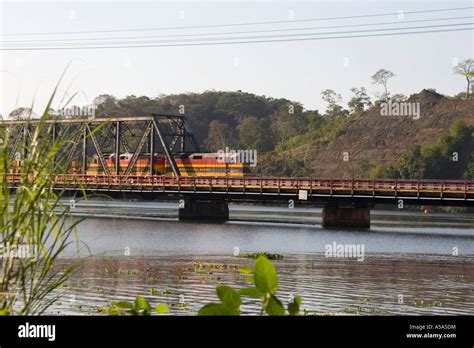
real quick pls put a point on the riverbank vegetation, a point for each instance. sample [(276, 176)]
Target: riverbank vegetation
[(35, 226)]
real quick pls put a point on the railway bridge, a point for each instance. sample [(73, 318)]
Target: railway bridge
[(346, 203)]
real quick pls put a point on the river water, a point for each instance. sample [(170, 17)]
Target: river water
[(408, 262)]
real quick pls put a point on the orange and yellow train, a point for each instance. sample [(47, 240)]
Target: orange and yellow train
[(196, 164)]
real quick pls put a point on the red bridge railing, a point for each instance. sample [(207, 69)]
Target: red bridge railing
[(460, 188)]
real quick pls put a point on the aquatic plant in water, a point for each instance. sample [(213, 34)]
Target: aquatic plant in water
[(265, 281)]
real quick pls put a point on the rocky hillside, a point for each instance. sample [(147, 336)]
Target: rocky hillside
[(374, 139)]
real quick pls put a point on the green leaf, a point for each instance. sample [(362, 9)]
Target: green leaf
[(142, 304), (274, 307), (246, 270), (294, 307), (266, 279), (161, 308), (249, 279), (229, 297), (124, 304), (213, 309), (251, 292)]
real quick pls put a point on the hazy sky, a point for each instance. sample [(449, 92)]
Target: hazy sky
[(294, 70)]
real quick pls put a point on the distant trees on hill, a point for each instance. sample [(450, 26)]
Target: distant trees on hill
[(277, 127), (466, 69), (451, 157), (381, 77)]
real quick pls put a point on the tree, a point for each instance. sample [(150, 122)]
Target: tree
[(412, 164), (332, 98), (22, 113), (219, 136), (381, 77), (240, 104), (466, 68), (398, 98), (107, 105), (289, 121), (451, 157), (360, 101), (135, 106), (470, 170), (255, 134)]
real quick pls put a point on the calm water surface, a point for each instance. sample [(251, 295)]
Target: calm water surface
[(413, 263)]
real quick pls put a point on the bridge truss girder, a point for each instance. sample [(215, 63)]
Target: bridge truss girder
[(88, 137)]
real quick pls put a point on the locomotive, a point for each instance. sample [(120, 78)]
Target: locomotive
[(195, 164)]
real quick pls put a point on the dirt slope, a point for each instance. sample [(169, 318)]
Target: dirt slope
[(376, 139)]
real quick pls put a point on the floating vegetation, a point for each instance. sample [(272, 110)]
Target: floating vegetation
[(161, 308), (359, 310), (352, 310), (257, 255), (160, 292), (122, 272), (323, 314), (139, 307), (181, 306), (246, 270), (426, 303), (208, 266)]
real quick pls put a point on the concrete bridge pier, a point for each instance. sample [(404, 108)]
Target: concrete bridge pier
[(192, 210), (335, 215)]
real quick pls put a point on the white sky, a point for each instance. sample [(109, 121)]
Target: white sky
[(294, 70)]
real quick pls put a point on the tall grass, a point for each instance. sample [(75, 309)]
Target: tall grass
[(33, 219)]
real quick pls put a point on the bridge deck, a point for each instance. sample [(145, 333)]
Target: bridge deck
[(263, 188)]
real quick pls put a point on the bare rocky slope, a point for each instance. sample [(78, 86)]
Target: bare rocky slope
[(375, 139)]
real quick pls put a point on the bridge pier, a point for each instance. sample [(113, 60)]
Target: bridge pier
[(190, 210), (337, 216)]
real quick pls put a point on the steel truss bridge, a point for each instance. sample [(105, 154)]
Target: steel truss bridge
[(168, 134), (347, 202)]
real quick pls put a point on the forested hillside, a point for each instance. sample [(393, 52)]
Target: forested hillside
[(341, 141)]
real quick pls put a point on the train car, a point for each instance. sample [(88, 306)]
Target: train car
[(196, 164)]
